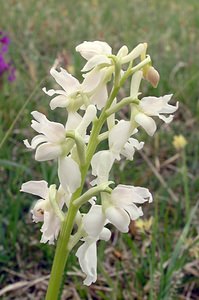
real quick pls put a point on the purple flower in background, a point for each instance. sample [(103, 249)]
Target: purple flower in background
[(5, 66), (4, 41)]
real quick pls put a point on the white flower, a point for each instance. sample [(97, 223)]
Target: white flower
[(43, 211), (100, 66), (117, 208), (93, 223), (124, 144), (153, 106), (87, 118), (90, 49), (120, 208), (69, 174), (70, 179), (98, 53), (130, 146), (149, 107), (101, 164), (87, 256), (71, 87), (73, 120), (80, 124), (103, 160), (118, 137), (50, 141), (94, 84), (93, 88)]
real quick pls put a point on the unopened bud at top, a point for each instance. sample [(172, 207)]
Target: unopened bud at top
[(152, 76)]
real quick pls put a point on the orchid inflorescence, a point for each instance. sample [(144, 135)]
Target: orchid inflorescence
[(91, 119)]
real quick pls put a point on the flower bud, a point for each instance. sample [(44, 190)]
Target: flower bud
[(152, 76)]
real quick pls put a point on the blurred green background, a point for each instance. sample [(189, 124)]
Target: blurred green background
[(158, 258)]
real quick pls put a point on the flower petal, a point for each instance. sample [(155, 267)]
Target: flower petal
[(92, 80), (100, 96), (101, 164), (118, 217), (38, 139), (90, 49), (55, 132), (38, 188), (95, 61), (52, 92), (69, 83), (152, 106), (38, 211), (167, 120), (50, 228), (144, 193), (146, 122), (127, 194), (48, 151), (73, 120), (94, 221), (129, 148), (87, 118), (122, 195), (136, 52), (134, 211), (87, 256), (59, 101), (27, 144), (123, 51), (122, 130), (105, 234), (69, 174)]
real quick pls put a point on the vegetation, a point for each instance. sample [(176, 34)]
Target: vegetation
[(158, 258)]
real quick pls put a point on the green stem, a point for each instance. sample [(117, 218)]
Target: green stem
[(103, 187), (61, 255), (120, 105), (103, 136), (74, 239)]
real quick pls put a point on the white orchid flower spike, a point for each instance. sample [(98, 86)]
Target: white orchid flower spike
[(91, 106)]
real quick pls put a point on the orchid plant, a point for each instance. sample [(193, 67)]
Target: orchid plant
[(91, 118)]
